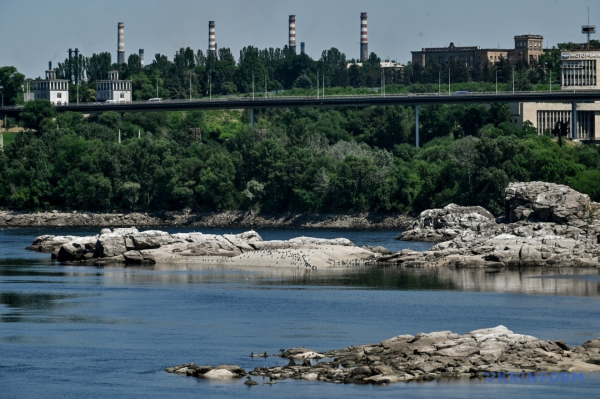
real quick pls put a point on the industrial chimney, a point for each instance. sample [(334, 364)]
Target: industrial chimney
[(212, 46), (364, 42), (77, 66), (49, 65), (302, 48), (292, 33), (141, 57), (121, 46)]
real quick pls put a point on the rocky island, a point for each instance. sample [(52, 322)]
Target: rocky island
[(130, 246), (544, 224), (481, 353)]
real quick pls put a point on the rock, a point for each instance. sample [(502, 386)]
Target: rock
[(546, 202), (446, 223), (110, 245), (594, 343), (139, 257), (71, 252), (495, 349)]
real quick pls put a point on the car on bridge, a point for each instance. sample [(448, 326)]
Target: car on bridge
[(461, 93)]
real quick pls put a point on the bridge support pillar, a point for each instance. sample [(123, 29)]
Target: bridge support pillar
[(251, 117), (574, 120), (417, 126)]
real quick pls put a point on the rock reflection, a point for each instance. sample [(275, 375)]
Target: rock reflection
[(543, 281)]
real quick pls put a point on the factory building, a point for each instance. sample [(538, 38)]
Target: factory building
[(527, 47), (52, 89), (113, 89)]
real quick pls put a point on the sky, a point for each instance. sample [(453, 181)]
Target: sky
[(33, 32)]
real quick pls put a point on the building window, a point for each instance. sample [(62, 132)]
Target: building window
[(122, 95), (58, 95)]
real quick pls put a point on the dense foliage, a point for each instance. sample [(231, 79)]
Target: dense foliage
[(339, 160)]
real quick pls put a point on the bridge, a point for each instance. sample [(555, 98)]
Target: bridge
[(253, 103)]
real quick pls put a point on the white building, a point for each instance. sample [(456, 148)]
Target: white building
[(52, 89), (113, 89), (580, 70)]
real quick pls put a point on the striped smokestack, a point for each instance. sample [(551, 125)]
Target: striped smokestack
[(293, 33), (141, 57), (212, 45), (364, 42), (121, 44)]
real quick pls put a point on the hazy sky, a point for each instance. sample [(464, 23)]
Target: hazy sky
[(34, 32)]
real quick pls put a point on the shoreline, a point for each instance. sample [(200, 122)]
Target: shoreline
[(370, 220)]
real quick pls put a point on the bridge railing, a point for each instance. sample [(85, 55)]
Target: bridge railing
[(245, 99)]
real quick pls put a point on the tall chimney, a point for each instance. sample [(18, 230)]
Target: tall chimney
[(364, 42), (77, 66), (49, 65), (70, 65), (121, 47), (292, 22), (141, 57), (302, 48), (212, 46)]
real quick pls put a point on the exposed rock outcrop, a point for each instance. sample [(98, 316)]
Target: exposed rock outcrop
[(481, 353), (545, 225), (218, 372), (131, 246), (437, 225), (478, 353)]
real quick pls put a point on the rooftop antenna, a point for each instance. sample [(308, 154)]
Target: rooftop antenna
[(588, 30)]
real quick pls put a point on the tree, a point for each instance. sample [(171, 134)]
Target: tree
[(98, 66), (35, 112), (12, 82)]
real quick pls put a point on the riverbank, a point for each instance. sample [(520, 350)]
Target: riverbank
[(205, 219)]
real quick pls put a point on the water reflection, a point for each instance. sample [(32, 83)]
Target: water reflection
[(544, 281)]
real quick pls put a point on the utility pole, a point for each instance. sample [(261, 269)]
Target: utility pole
[(266, 96), (323, 85), (550, 81), (317, 85), (253, 85), (190, 86), (157, 87), (440, 81), (448, 80), (496, 80)]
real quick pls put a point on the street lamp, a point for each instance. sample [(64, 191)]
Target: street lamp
[(496, 80), (2, 89), (513, 79)]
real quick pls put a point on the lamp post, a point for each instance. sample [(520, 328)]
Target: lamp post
[(513, 79), (2, 89), (496, 80)]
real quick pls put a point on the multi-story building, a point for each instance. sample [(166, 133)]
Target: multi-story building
[(527, 47), (113, 89), (52, 89), (580, 70)]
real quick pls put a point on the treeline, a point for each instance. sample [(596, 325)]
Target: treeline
[(334, 160), (196, 74)]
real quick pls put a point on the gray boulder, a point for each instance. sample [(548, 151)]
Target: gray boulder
[(546, 202), (436, 225)]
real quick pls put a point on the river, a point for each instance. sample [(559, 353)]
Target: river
[(108, 332)]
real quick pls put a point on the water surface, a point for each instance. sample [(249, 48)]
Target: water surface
[(84, 331)]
